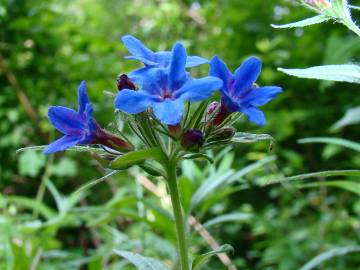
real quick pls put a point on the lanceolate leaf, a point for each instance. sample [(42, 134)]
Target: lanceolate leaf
[(242, 137), (202, 259), (136, 157), (347, 185), (337, 141), (339, 251), (141, 263), (92, 183), (305, 22), (351, 117), (228, 218), (314, 175), (340, 73)]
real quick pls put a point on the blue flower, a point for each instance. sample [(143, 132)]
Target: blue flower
[(152, 59), (78, 127), (239, 92), (165, 89), (155, 59)]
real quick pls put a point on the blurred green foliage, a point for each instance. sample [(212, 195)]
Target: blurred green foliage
[(47, 47)]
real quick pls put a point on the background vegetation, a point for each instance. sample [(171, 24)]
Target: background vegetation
[(47, 47)]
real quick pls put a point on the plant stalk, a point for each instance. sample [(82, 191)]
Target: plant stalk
[(178, 215)]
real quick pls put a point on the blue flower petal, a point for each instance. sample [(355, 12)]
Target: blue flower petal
[(198, 89), (169, 111), (133, 102), (139, 75), (177, 72), (83, 97), (262, 95), (136, 48), (246, 75), (193, 61), (219, 69), (61, 144), (163, 58), (66, 120), (254, 115), (146, 61)]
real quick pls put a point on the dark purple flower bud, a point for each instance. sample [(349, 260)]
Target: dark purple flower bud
[(123, 82), (192, 139)]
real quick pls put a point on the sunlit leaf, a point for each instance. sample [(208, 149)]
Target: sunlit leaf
[(236, 217), (242, 137), (341, 73), (351, 117), (306, 22), (141, 263)]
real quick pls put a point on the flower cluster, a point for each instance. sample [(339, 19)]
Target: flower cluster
[(159, 97)]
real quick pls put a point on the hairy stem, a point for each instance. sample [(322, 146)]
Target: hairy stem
[(178, 215)]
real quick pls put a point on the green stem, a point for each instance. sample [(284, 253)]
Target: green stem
[(352, 26), (178, 214)]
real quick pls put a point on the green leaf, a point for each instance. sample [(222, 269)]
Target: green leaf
[(306, 22), (354, 7), (242, 137), (186, 191), (199, 156), (202, 259), (28, 203), (92, 183), (249, 168), (351, 117), (337, 141), (339, 251), (141, 263), (20, 259), (210, 185), (341, 73), (136, 157), (347, 185), (314, 175), (228, 218)]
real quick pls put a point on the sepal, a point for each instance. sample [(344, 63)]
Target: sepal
[(136, 158)]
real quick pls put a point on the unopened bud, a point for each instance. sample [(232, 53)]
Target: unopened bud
[(192, 139), (213, 106), (175, 130), (107, 139), (217, 113), (123, 82), (223, 134)]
